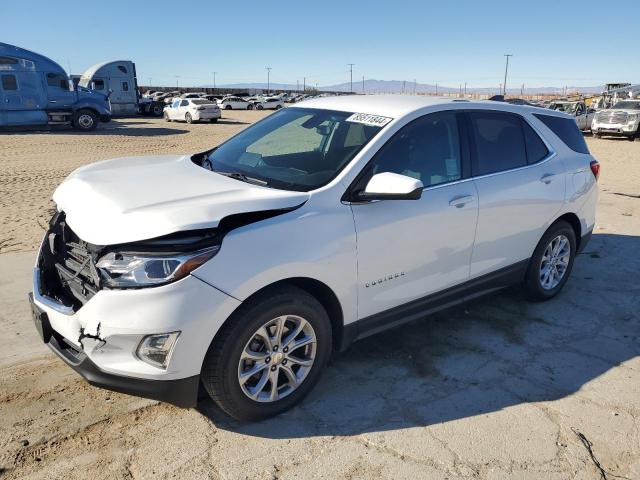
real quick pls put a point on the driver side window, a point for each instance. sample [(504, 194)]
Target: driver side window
[(428, 149)]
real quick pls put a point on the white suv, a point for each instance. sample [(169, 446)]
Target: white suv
[(242, 268)]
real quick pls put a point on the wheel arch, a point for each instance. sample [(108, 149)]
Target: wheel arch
[(573, 220), (321, 292)]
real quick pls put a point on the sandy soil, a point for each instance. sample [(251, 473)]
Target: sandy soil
[(499, 389)]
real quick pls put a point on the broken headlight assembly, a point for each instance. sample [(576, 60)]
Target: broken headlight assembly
[(135, 270)]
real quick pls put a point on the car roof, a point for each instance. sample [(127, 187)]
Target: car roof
[(396, 106)]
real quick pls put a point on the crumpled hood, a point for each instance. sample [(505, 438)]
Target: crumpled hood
[(137, 198)]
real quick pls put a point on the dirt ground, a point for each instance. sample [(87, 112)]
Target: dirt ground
[(498, 389)]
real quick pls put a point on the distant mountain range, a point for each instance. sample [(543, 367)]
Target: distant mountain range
[(400, 86)]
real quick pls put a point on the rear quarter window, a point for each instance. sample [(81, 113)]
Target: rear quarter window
[(566, 129)]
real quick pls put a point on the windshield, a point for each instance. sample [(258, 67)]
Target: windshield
[(631, 105), (294, 148)]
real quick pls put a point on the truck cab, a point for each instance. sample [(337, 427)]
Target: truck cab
[(118, 78), (34, 90)]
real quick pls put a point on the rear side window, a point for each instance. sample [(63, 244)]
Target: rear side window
[(567, 130), (9, 82), (125, 86), (497, 142), (57, 80), (536, 149)]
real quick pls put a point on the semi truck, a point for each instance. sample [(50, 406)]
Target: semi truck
[(36, 91)]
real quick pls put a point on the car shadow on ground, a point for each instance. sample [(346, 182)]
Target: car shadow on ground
[(480, 358)]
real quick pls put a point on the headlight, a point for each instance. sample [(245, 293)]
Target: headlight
[(126, 270), (633, 117)]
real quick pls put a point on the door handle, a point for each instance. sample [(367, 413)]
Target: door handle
[(461, 201), (547, 178), (53, 101)]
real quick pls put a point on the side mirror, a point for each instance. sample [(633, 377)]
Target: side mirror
[(392, 186)]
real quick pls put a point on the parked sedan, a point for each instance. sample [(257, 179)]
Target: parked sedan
[(192, 110), (235, 103), (269, 103)]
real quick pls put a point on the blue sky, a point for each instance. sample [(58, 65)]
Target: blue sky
[(554, 43)]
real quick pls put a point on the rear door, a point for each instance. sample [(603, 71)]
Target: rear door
[(521, 187)]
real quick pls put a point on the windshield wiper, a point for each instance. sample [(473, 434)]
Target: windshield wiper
[(244, 178)]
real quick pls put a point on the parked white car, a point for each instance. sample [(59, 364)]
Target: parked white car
[(235, 103), (242, 268), (622, 120), (192, 110), (582, 114), (269, 103)]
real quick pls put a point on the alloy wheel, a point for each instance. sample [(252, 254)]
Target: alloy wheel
[(277, 358), (554, 263)]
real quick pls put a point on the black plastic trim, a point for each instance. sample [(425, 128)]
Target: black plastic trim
[(182, 392), (435, 302), (584, 240)]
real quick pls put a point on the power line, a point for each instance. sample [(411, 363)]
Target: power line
[(506, 69), (351, 72)]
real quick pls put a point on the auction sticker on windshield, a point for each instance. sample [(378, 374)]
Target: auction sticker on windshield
[(367, 119)]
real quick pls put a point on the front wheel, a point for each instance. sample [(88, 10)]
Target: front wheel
[(259, 107), (250, 107), (278, 107), (268, 355), (187, 118), (85, 120), (551, 263), (166, 117)]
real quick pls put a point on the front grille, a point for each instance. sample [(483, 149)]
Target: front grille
[(67, 265), (612, 117)]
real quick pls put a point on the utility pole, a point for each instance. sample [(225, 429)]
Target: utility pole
[(506, 69), (465, 89), (436, 88), (214, 79), (177, 77), (304, 84), (298, 86), (403, 83), (351, 72), (268, 79), (149, 81), (522, 90), (460, 90), (414, 86)]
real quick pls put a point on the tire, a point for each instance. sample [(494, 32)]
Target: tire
[(278, 107), (157, 110), (223, 363), (213, 120), (596, 135), (85, 120), (259, 107), (631, 138), (228, 107), (534, 286), (187, 118), (166, 117), (250, 106)]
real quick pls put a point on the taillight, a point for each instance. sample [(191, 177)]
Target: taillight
[(595, 168)]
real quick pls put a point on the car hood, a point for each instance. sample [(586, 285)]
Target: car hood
[(138, 198)]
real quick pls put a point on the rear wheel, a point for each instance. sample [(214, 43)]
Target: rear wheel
[(278, 107), (85, 120), (228, 107), (157, 110), (250, 106), (551, 263), (259, 107), (187, 118), (166, 117), (269, 355)]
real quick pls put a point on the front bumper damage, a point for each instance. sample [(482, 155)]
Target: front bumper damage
[(96, 331), (181, 392)]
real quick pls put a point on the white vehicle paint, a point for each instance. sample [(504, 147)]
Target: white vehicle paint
[(234, 103), (192, 110), (268, 103), (319, 225), (622, 120)]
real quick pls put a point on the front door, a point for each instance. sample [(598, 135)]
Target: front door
[(58, 93), (408, 249)]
